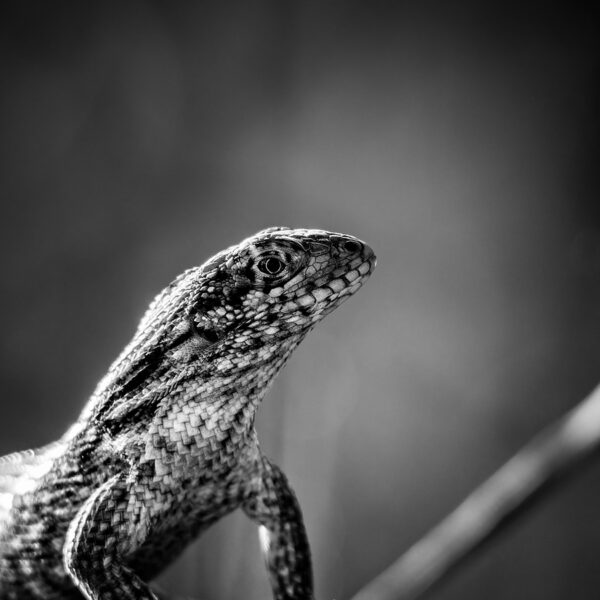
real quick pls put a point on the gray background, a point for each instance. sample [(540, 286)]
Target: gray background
[(137, 139)]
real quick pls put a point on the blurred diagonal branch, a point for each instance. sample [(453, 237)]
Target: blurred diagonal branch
[(546, 460)]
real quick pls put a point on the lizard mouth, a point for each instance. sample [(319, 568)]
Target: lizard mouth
[(338, 284), (348, 277)]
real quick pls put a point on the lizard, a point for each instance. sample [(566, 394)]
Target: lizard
[(166, 444)]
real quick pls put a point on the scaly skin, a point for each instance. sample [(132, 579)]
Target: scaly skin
[(166, 445)]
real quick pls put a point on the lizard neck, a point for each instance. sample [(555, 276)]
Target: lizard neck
[(225, 405), (249, 374)]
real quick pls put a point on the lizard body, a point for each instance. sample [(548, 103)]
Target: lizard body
[(166, 444)]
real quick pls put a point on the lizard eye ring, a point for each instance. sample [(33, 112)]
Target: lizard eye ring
[(271, 266)]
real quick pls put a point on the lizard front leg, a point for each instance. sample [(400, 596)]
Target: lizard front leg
[(272, 503), (95, 542)]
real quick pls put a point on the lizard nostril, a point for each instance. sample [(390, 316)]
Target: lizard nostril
[(351, 246)]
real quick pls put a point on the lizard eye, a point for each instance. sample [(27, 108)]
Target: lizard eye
[(271, 265)]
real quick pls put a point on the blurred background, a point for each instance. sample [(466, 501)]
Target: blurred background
[(459, 140)]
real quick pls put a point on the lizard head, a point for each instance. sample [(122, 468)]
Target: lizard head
[(278, 283), (242, 311)]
